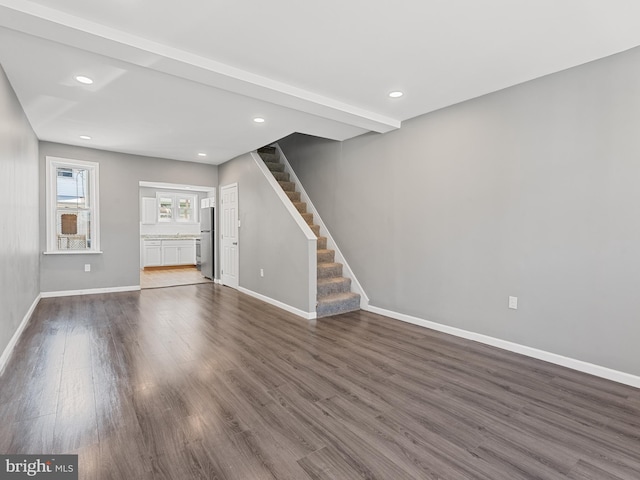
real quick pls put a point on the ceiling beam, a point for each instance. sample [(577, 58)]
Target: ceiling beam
[(51, 24)]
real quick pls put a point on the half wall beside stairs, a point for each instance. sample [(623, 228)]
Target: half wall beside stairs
[(271, 240)]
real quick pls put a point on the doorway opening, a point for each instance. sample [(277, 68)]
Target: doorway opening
[(171, 219)]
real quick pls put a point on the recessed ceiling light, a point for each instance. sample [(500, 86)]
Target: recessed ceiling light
[(202, 154), (85, 137), (396, 94), (83, 79), (258, 120)]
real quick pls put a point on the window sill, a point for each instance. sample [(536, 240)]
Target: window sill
[(74, 252)]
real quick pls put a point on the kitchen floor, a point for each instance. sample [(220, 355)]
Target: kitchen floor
[(170, 277)]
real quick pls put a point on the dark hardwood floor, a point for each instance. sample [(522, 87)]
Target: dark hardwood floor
[(203, 382)]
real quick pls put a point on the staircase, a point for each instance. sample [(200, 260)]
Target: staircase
[(334, 291)]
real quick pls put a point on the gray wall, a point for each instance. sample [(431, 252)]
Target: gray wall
[(120, 174), (269, 238), (19, 255), (533, 191)]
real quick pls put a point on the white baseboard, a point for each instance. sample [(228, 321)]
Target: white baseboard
[(277, 303), (579, 365), (6, 354), (90, 291), (218, 281)]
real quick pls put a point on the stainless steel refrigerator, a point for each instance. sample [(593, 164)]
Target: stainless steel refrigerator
[(207, 242)]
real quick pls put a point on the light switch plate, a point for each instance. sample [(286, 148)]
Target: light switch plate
[(513, 303)]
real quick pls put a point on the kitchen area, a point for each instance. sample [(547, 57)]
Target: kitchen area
[(177, 234)]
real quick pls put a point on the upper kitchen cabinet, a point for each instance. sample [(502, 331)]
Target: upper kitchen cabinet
[(149, 214), (176, 207), (209, 202)]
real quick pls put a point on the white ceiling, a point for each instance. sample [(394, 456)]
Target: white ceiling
[(176, 78)]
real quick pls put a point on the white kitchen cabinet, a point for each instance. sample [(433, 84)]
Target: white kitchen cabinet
[(208, 202), (149, 213), (152, 253), (187, 254), (169, 252), (179, 252)]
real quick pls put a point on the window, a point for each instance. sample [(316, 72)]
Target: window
[(176, 208), (165, 208), (72, 206)]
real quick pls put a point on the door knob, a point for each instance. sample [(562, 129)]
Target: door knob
[(235, 243)]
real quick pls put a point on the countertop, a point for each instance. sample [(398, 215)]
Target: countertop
[(182, 236)]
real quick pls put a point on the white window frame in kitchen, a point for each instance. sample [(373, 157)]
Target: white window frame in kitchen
[(175, 196), (52, 166)]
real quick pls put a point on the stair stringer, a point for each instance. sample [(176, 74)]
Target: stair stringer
[(324, 231), (311, 238)]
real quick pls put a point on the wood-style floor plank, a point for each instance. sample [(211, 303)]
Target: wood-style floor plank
[(203, 382)]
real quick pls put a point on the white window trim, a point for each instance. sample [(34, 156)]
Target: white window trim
[(174, 196), (51, 181)]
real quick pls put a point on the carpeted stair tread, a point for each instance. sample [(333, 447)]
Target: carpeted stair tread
[(269, 157), (275, 166), (337, 297), (300, 206), (267, 149), (329, 269), (315, 229), (326, 256), (308, 217), (281, 176), (288, 186), (337, 303), (293, 196), (322, 243), (331, 285)]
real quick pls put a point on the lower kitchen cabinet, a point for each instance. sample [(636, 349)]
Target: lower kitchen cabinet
[(178, 252), (152, 253), (169, 252)]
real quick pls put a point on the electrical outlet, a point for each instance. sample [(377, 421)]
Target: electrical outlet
[(513, 303), (87, 267), (262, 272)]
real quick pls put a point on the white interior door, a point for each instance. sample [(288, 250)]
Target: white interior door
[(230, 251)]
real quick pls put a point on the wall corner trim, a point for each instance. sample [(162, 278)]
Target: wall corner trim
[(279, 304), (572, 363), (6, 354), (90, 291)]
